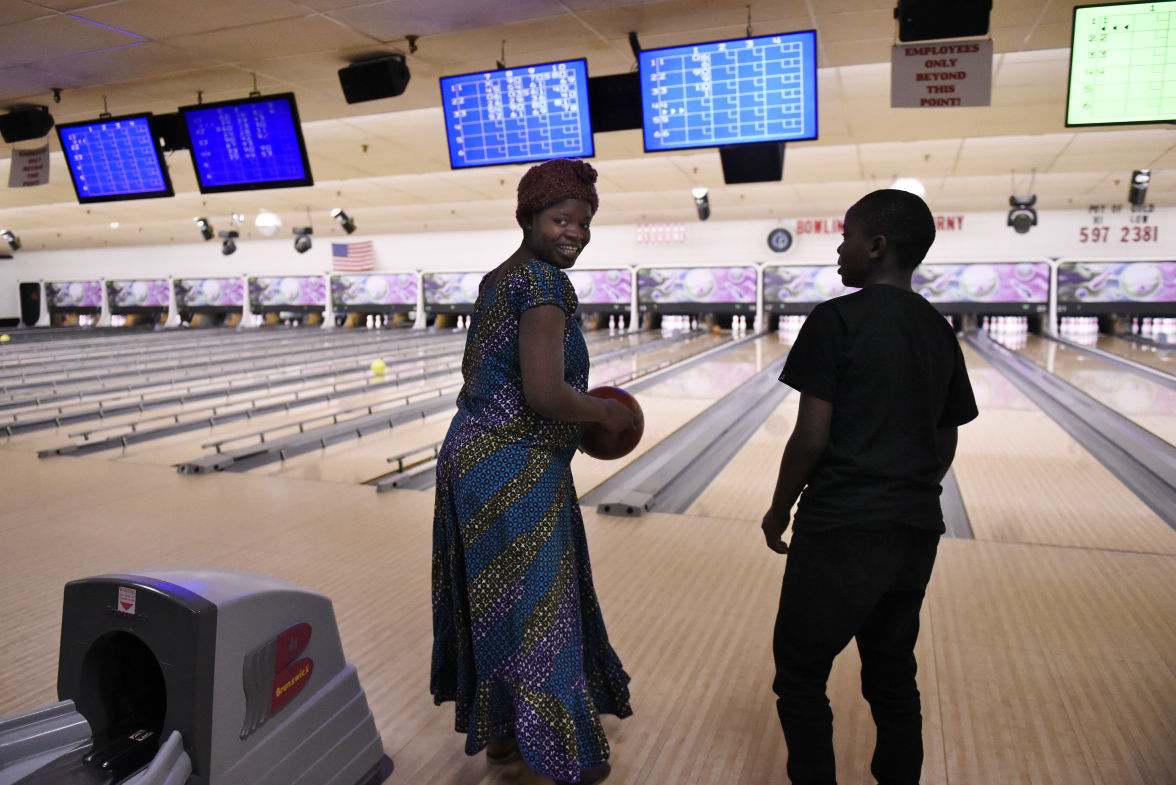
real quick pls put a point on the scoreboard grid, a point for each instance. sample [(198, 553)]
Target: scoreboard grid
[(516, 115), (245, 144), (114, 159), (730, 92), (1123, 64)]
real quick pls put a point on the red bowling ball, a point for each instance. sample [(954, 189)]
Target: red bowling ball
[(609, 445)]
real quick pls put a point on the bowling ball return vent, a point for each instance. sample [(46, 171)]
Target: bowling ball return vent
[(197, 677)]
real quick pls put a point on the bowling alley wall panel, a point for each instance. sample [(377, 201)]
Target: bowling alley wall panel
[(1106, 233)]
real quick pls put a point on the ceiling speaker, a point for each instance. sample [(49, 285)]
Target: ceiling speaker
[(25, 122), (614, 102), (385, 77), (930, 20), (758, 162)]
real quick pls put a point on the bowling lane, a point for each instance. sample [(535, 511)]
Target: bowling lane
[(1163, 359), (1144, 401), (1023, 479), (743, 489), (616, 371), (365, 459), (187, 445), (670, 404)]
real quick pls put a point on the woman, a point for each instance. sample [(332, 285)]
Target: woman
[(518, 639)]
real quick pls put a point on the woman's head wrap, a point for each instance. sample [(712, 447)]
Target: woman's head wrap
[(553, 181)]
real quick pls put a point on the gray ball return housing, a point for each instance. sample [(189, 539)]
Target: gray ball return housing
[(197, 677)]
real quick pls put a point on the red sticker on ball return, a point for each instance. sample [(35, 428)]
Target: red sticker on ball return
[(607, 445), (126, 599)]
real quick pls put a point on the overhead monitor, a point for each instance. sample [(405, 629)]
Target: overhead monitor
[(209, 293), (73, 295), (129, 296), (1010, 283), (1117, 287), (247, 144), (292, 292), (516, 115), (760, 89), (602, 290), (1123, 64), (685, 290), (454, 292), (797, 288), (115, 158), (374, 292)]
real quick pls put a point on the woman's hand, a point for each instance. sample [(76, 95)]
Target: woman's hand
[(617, 417)]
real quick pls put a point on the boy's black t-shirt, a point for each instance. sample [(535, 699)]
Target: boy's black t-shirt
[(892, 368)]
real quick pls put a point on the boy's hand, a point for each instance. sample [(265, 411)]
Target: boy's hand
[(774, 526)]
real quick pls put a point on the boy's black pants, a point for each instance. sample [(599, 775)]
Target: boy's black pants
[(839, 585)]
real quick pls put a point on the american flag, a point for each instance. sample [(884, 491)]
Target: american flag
[(353, 257)]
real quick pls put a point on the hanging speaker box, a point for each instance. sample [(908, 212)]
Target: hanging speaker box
[(757, 162), (932, 20), (373, 79), (25, 122), (614, 102)]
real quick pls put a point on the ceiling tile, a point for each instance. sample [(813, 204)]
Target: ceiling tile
[(162, 19), (29, 42)]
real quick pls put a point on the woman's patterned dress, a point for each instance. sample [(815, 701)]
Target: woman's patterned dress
[(518, 639)]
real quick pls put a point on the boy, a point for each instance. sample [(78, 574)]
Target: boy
[(882, 389)]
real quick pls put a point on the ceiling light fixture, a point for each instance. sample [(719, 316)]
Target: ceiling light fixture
[(228, 246), (1140, 179), (701, 202), (1022, 217), (205, 228), (344, 220), (302, 241)]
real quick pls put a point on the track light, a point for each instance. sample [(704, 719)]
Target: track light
[(1139, 182), (302, 241), (702, 202), (1022, 216), (205, 228), (12, 240), (344, 220), (228, 246)]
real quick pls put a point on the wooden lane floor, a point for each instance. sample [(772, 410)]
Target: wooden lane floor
[(1160, 358), (1024, 479), (1039, 664), (188, 446), (1011, 691), (367, 458), (1141, 399), (670, 404), (743, 489)]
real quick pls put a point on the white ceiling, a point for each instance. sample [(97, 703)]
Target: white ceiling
[(386, 161)]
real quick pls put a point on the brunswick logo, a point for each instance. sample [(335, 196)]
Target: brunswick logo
[(273, 675)]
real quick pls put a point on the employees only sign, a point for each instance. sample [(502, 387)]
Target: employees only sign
[(29, 167), (937, 74)]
